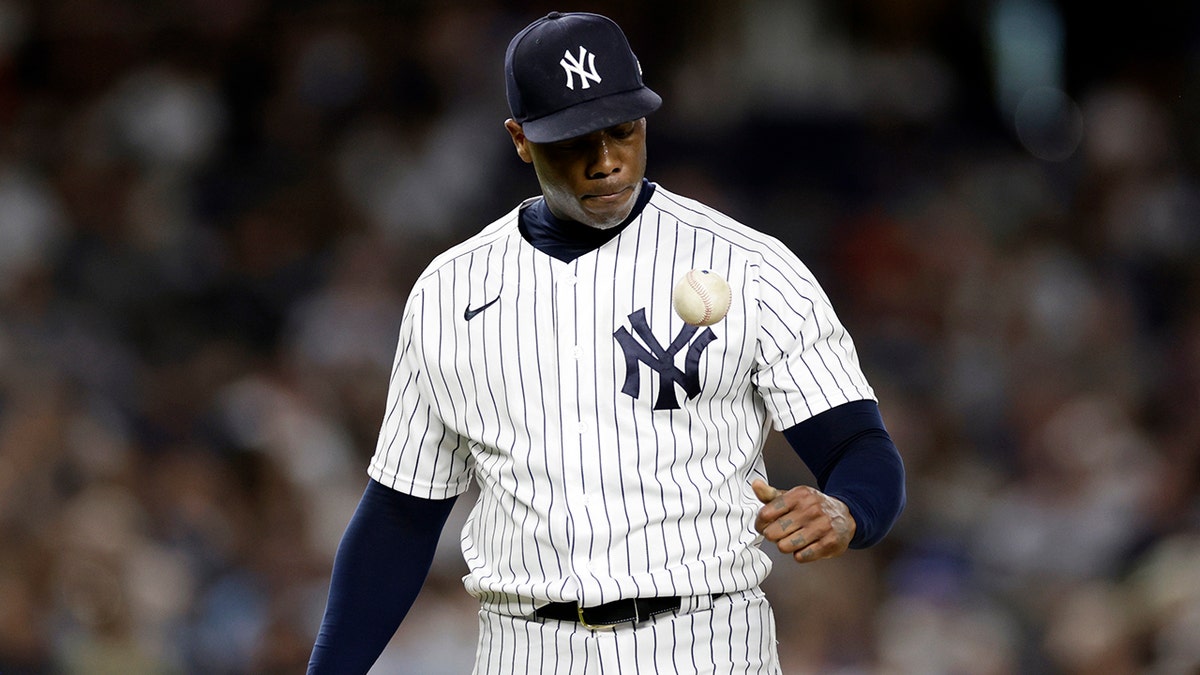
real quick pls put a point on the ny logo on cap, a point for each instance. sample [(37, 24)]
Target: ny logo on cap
[(574, 66)]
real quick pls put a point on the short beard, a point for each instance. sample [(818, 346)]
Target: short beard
[(556, 199)]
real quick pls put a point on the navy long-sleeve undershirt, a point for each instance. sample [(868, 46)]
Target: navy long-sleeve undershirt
[(854, 459), (388, 546), (380, 566)]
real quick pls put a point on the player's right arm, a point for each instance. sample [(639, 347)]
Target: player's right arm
[(381, 564)]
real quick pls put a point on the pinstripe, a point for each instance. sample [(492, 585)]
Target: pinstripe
[(510, 447), (587, 493), (504, 346), (689, 634), (732, 636)]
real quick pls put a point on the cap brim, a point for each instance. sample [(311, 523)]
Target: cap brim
[(593, 115)]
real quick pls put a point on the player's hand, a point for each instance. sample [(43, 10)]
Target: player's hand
[(803, 522)]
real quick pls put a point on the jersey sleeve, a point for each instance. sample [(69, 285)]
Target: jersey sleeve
[(416, 453), (807, 362)]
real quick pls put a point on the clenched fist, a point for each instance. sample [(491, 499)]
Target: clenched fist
[(803, 522)]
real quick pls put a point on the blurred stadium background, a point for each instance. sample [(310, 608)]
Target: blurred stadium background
[(211, 212)]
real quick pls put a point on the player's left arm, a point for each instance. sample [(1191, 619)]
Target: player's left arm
[(860, 485)]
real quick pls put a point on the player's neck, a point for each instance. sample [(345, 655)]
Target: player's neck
[(565, 239)]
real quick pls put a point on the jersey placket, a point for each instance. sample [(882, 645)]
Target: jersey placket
[(574, 303)]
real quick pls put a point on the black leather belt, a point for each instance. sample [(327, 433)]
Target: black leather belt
[(611, 613)]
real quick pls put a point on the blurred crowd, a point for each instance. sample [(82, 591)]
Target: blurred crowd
[(211, 212)]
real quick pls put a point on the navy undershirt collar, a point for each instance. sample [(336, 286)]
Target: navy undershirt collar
[(566, 240)]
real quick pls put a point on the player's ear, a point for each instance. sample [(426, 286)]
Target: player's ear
[(518, 139)]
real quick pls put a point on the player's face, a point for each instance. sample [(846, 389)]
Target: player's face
[(593, 179)]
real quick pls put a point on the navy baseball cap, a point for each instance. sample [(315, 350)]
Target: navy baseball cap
[(569, 74)]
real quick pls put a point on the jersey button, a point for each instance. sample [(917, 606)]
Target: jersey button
[(577, 352), (582, 428)]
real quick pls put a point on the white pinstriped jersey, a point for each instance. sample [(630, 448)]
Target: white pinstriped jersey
[(613, 444)]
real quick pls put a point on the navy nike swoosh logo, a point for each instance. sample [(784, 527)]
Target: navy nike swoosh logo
[(469, 313)]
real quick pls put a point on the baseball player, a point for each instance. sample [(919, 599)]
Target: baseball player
[(618, 450)]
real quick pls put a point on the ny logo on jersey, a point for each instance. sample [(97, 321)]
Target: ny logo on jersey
[(574, 66), (662, 360)]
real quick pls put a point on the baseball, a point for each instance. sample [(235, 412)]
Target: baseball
[(701, 298)]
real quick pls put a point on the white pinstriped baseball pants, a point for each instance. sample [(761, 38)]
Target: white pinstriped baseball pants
[(731, 635)]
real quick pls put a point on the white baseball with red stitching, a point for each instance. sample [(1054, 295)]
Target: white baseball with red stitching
[(701, 298)]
